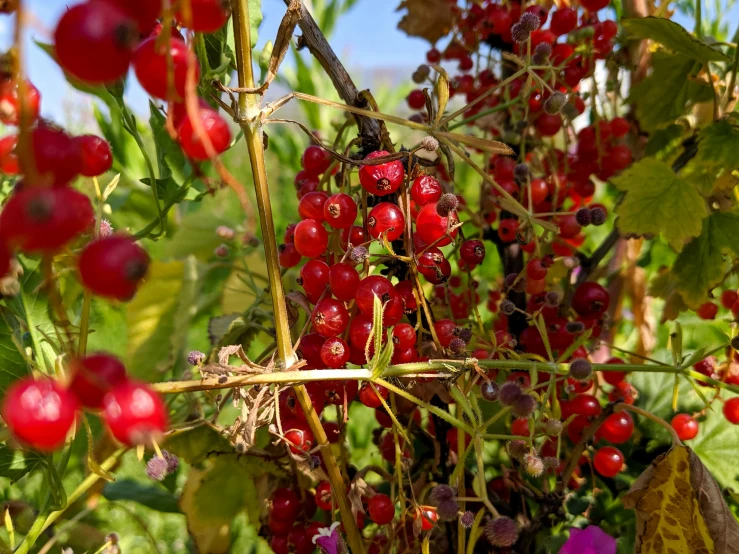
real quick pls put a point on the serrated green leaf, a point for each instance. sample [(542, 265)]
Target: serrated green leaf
[(194, 444), (669, 91), (717, 445), (700, 266), (664, 142), (674, 37), (171, 161), (152, 496), (658, 201), (255, 20), (14, 464), (12, 363), (719, 144)]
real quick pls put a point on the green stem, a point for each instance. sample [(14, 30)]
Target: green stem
[(698, 18), (483, 113)]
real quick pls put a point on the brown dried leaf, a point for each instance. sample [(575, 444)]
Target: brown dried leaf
[(486, 145), (429, 19), (680, 508)]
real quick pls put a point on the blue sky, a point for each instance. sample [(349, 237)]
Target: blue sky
[(367, 37)]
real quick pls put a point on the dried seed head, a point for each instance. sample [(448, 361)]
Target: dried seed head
[(225, 233), (521, 173), (542, 53), (457, 345), (447, 204), (507, 307), (552, 299), (195, 357), (524, 406), (529, 21), (510, 391), (421, 74), (553, 427), (501, 531), (489, 391), (533, 465), (554, 104), (550, 462), (440, 493), (583, 217), (517, 449), (463, 333), (580, 369), (429, 144), (156, 468), (467, 519), (574, 327), (519, 33), (106, 229), (597, 216), (571, 262), (359, 254), (221, 251), (509, 280), (448, 510), (173, 461)]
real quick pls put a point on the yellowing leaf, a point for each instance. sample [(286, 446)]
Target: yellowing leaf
[(658, 201), (700, 266), (674, 37), (429, 19), (441, 88), (680, 508)]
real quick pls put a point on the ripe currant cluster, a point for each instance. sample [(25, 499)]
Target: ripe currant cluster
[(41, 412)]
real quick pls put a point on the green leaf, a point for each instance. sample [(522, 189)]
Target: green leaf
[(674, 37), (669, 91), (170, 159), (152, 496), (658, 201), (12, 363), (717, 445), (255, 20), (56, 487), (700, 266), (195, 444), (719, 144), (664, 142), (14, 464)]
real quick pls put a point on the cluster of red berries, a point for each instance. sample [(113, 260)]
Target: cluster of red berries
[(97, 41), (41, 412)]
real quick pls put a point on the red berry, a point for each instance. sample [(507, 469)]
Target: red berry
[(685, 426), (335, 353), (707, 310), (314, 277), (39, 219), (444, 331), (311, 239), (614, 377), (548, 125), (731, 410), (428, 516), (586, 405), (278, 543), (608, 461), (370, 398), (315, 160), (311, 205), (535, 269), (590, 298), (39, 413), (215, 128), (431, 227), (425, 189), (434, 266), (134, 413), (354, 235), (57, 157), (617, 428), (619, 126), (594, 5), (729, 299), (207, 16), (330, 317), (298, 435), (381, 179), (380, 287), (472, 252), (344, 280), (95, 155), (340, 211), (323, 496), (508, 229), (288, 255), (144, 12), (433, 56), (564, 20), (360, 330), (381, 509), (8, 156), (113, 267), (386, 219), (11, 105), (416, 100), (93, 376), (404, 336), (150, 62), (93, 42)]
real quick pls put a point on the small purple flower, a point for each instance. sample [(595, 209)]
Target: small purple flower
[(591, 540), (329, 540)]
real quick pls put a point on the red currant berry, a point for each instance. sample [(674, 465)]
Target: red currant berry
[(93, 376), (311, 239), (278, 543), (535, 269), (288, 255), (425, 189), (548, 125), (330, 317), (619, 126), (144, 12), (113, 267), (416, 100), (433, 56), (707, 310), (432, 227), (445, 331), (335, 353), (404, 336), (93, 42), (472, 252), (216, 131), (95, 154), (315, 160), (729, 298), (370, 398), (8, 157), (311, 205), (360, 330), (614, 377), (206, 16), (434, 266), (354, 235), (590, 298), (685, 426), (508, 229), (731, 410), (151, 63), (381, 509), (585, 405), (340, 211), (381, 179), (314, 277), (617, 428), (428, 517), (594, 5), (298, 436), (57, 157), (323, 496), (380, 287), (344, 280), (11, 105), (386, 219), (608, 461), (39, 219), (134, 413), (564, 20), (39, 413)]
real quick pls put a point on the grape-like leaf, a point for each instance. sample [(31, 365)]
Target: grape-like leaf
[(429, 19), (658, 201), (674, 37)]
